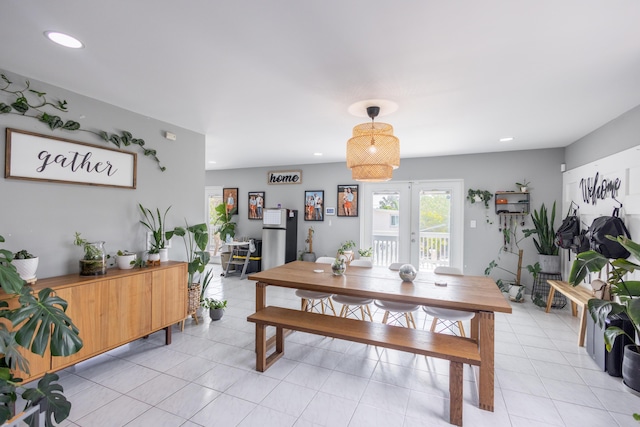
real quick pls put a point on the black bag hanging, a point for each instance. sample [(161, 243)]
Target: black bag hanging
[(569, 228), (608, 226)]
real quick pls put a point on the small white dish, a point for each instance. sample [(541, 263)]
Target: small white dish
[(318, 271)]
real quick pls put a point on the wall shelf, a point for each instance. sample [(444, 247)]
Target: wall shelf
[(512, 203)]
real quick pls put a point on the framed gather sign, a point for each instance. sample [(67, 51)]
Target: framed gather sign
[(33, 156)]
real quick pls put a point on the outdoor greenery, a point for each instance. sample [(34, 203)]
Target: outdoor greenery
[(29, 102), (390, 202), (224, 225), (39, 322)]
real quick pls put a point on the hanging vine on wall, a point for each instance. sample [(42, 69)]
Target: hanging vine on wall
[(22, 105)]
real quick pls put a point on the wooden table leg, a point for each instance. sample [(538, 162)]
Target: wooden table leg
[(583, 326), (486, 344), (474, 327)]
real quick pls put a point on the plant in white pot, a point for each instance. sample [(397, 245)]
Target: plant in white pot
[(216, 307), (628, 295), (365, 254), (155, 224), (544, 239), (126, 260), (26, 265), (523, 186), (345, 251)]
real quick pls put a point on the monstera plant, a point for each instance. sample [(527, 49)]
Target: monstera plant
[(39, 321)]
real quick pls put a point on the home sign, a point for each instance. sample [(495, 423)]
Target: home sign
[(284, 177)]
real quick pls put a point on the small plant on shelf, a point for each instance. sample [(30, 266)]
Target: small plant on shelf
[(479, 196), (366, 253), (523, 186)]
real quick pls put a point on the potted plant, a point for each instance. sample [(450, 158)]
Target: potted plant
[(365, 254), (125, 260), (216, 307), (544, 239), (94, 262), (39, 323), (523, 186), (628, 296), (196, 238), (508, 280), (339, 266), (226, 229), (345, 251), (479, 196), (155, 224), (26, 265)]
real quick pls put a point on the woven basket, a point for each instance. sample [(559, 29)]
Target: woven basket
[(193, 298)]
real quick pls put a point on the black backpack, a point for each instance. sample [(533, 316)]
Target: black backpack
[(608, 226), (569, 229)]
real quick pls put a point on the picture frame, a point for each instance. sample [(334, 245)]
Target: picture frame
[(348, 200), (256, 205), (36, 157), (313, 205), (230, 199)]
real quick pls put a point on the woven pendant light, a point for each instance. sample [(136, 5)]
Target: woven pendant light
[(373, 152)]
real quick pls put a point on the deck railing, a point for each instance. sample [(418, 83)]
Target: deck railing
[(434, 250)]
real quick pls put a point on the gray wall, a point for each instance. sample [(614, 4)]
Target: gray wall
[(619, 134), (42, 216), (492, 171)]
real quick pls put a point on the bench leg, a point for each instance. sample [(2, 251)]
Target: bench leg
[(486, 344), (474, 327), (574, 309), (552, 292), (455, 393), (263, 362), (583, 326)]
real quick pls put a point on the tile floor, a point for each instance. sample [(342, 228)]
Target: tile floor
[(207, 378)]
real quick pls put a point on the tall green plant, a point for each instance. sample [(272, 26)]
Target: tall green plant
[(224, 223), (196, 238), (37, 323), (544, 231), (156, 226)]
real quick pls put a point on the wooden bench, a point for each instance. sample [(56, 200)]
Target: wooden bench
[(457, 350), (577, 295)]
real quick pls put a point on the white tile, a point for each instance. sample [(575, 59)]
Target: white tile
[(524, 383), (323, 358), (562, 391), (89, 400), (188, 400), (556, 371), (618, 401), (116, 413), (358, 366), (224, 411), (386, 397), (431, 409), (329, 410), (344, 385), (308, 376), (221, 377), (157, 389), (545, 354), (124, 380), (267, 417), (155, 417), (191, 368), (367, 415), (289, 398), (253, 387), (532, 407), (581, 415)]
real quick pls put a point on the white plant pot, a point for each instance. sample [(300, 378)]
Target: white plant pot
[(124, 261), (26, 268), (366, 258), (549, 263), (164, 255), (153, 257), (513, 293)]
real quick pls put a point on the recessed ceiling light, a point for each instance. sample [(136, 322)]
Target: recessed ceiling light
[(63, 39), (507, 139), (212, 162), (317, 154)]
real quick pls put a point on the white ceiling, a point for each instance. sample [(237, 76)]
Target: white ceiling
[(270, 82)]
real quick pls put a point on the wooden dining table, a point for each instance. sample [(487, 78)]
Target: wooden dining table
[(477, 294)]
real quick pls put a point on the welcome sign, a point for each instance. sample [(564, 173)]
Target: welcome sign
[(32, 156)]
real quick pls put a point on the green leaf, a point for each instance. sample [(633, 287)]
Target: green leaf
[(10, 279), (584, 263), (37, 93), (62, 105), (149, 152), (57, 406), (633, 311), (71, 125), (20, 106), (115, 139), (104, 135), (45, 320), (5, 79), (610, 335), (55, 123), (4, 108)]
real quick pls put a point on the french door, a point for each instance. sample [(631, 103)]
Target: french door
[(213, 197), (416, 222)]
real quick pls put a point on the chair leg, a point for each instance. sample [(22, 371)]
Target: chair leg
[(369, 313), (343, 312), (410, 318), (461, 327), (303, 304), (322, 306), (362, 312), (331, 305), (433, 324), (386, 317)]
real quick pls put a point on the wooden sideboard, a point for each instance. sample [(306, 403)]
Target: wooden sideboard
[(114, 309)]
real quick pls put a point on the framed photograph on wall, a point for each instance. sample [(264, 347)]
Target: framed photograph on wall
[(256, 204), (230, 198), (348, 200), (313, 205)]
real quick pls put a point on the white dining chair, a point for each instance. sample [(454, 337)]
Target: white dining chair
[(351, 305), (319, 301), (445, 318), (397, 310)]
